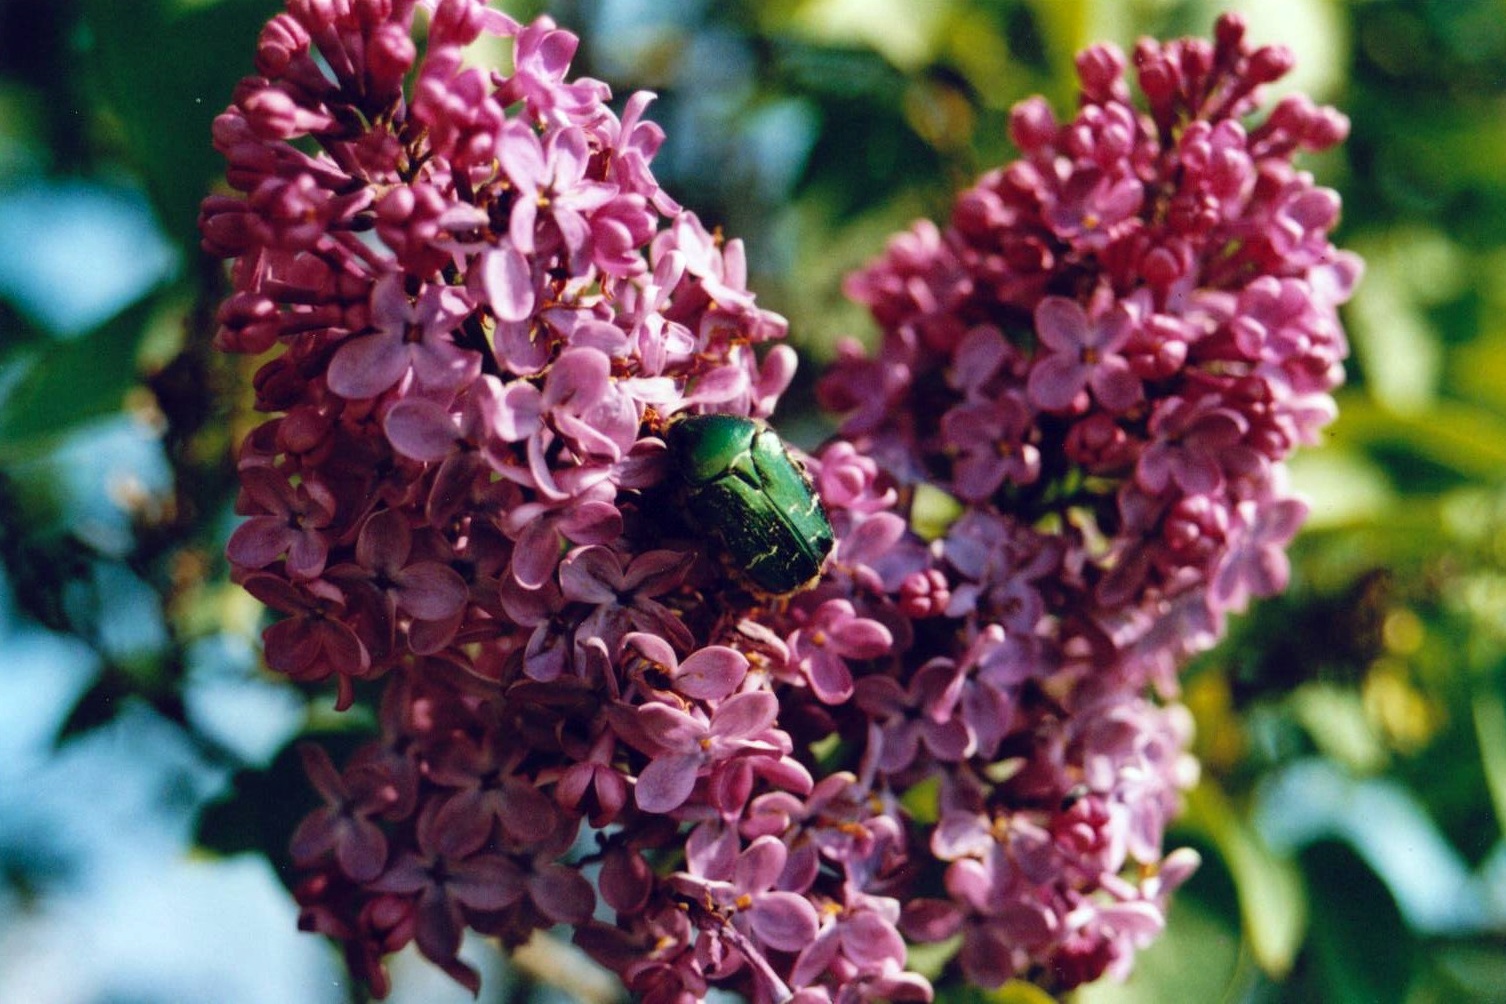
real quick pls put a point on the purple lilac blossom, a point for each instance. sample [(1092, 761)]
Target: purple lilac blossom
[(477, 310), (1107, 355)]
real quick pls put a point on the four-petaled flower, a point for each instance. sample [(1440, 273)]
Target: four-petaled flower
[(1082, 351), (411, 335), (691, 742), (624, 595), (990, 438), (291, 523), (830, 636), (782, 920), (343, 826)]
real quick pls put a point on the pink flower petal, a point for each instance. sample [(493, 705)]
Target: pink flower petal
[(872, 942), (591, 575), (307, 552), (745, 716), (431, 591), (1055, 381), (420, 429), (666, 782), (486, 882), (760, 864), (670, 728), (1061, 324), (520, 412), (507, 281), (364, 367), (385, 541), (259, 541), (784, 921), (711, 673), (830, 678), (363, 852), (861, 638), (562, 894), (1115, 386)]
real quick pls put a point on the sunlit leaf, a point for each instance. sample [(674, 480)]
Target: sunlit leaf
[(1476, 970), (1272, 904), (1336, 721), (1394, 340), (1477, 368), (1341, 487), (906, 33), (1490, 728), (1469, 440), (1019, 992), (1068, 26), (1316, 31), (824, 254), (979, 47)]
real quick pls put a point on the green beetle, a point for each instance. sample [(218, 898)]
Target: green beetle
[(740, 484)]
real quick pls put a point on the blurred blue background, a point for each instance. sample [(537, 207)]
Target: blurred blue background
[(1353, 732)]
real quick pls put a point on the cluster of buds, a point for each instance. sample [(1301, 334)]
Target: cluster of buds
[(482, 314)]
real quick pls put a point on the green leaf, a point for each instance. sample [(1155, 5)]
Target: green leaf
[(1342, 487), (1362, 952), (1467, 440), (1337, 723), (97, 706), (65, 384), (929, 958), (1272, 905), (865, 152), (167, 73), (923, 801), (1068, 26), (1490, 730), (1019, 992), (1478, 369), (907, 34), (1315, 30), (1473, 970), (1396, 342)]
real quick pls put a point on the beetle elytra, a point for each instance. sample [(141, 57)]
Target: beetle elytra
[(739, 483)]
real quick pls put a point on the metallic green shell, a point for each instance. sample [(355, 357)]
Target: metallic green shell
[(739, 483)]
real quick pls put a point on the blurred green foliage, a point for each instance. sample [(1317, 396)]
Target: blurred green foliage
[(1352, 732)]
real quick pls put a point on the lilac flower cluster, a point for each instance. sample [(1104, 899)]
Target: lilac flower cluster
[(479, 311), (1106, 357)]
